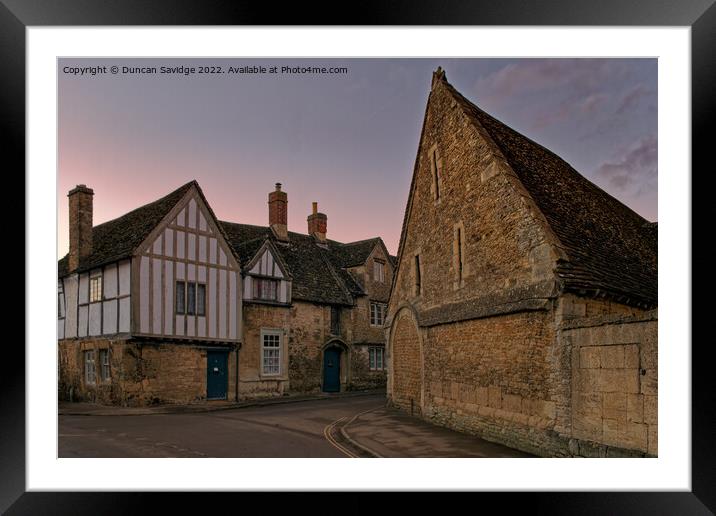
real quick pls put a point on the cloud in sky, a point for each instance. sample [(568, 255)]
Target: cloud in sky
[(634, 168)]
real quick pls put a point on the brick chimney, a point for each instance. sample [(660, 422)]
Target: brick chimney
[(278, 212), (80, 224), (317, 223)]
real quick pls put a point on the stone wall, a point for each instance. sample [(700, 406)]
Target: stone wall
[(614, 382), (140, 373)]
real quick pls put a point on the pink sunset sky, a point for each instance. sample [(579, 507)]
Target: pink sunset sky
[(347, 141)]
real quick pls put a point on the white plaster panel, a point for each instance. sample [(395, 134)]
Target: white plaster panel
[(168, 242), (247, 287), (180, 244), (179, 322), (201, 326), (212, 250), (70, 285), (202, 221), (201, 277), (211, 286), (60, 328), (157, 246), (157, 296), (125, 272), (82, 322), (191, 221), (109, 281), (191, 251), (190, 326), (191, 272), (95, 319), (168, 297), (109, 317), (84, 288), (222, 303), (125, 316), (144, 295), (180, 271), (222, 257), (202, 248), (232, 305), (181, 218)]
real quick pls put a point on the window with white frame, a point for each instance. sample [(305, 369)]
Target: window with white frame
[(104, 365), (377, 313), (90, 371), (95, 289), (271, 352), (376, 357), (378, 271)]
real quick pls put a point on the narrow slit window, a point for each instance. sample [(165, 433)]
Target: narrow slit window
[(436, 172), (418, 282), (459, 253)]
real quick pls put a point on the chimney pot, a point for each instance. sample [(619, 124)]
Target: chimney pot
[(317, 224), (315, 207)]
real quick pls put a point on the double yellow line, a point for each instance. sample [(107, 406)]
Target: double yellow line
[(327, 434), (329, 428)]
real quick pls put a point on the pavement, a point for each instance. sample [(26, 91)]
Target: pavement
[(355, 424)]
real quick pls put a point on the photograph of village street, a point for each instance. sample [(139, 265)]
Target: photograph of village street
[(357, 258)]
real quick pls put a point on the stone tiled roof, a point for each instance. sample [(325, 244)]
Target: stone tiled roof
[(318, 272), (117, 239), (611, 250)]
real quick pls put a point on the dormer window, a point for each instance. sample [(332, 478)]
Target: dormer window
[(266, 289)]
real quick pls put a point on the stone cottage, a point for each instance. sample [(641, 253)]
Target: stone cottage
[(523, 308), (168, 304)]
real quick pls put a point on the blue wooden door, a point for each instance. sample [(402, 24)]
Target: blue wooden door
[(332, 370), (216, 375)]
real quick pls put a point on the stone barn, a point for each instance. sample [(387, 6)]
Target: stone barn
[(523, 308)]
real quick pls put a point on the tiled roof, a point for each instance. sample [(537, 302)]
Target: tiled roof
[(318, 272), (611, 250), (117, 239)]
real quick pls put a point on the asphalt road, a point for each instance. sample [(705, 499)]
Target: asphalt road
[(284, 430)]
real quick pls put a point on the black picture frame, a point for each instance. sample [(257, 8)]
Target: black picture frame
[(699, 15)]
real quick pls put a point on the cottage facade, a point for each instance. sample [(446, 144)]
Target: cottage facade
[(169, 304), (523, 306)]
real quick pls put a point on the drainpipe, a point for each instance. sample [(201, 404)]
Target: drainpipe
[(237, 347)]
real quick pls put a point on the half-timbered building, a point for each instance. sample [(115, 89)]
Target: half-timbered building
[(169, 304)]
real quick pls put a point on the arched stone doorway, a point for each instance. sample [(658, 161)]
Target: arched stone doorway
[(334, 369), (406, 362)]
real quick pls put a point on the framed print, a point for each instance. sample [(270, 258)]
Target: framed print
[(478, 299)]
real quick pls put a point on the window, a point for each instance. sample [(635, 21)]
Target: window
[(104, 365), (377, 313), (375, 358), (418, 283), (459, 253), (265, 289), (200, 299), (271, 353), (90, 372), (435, 167), (180, 298), (335, 320), (378, 271), (60, 299), (95, 289), (190, 298)]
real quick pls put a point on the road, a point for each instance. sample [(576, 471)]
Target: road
[(284, 430)]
